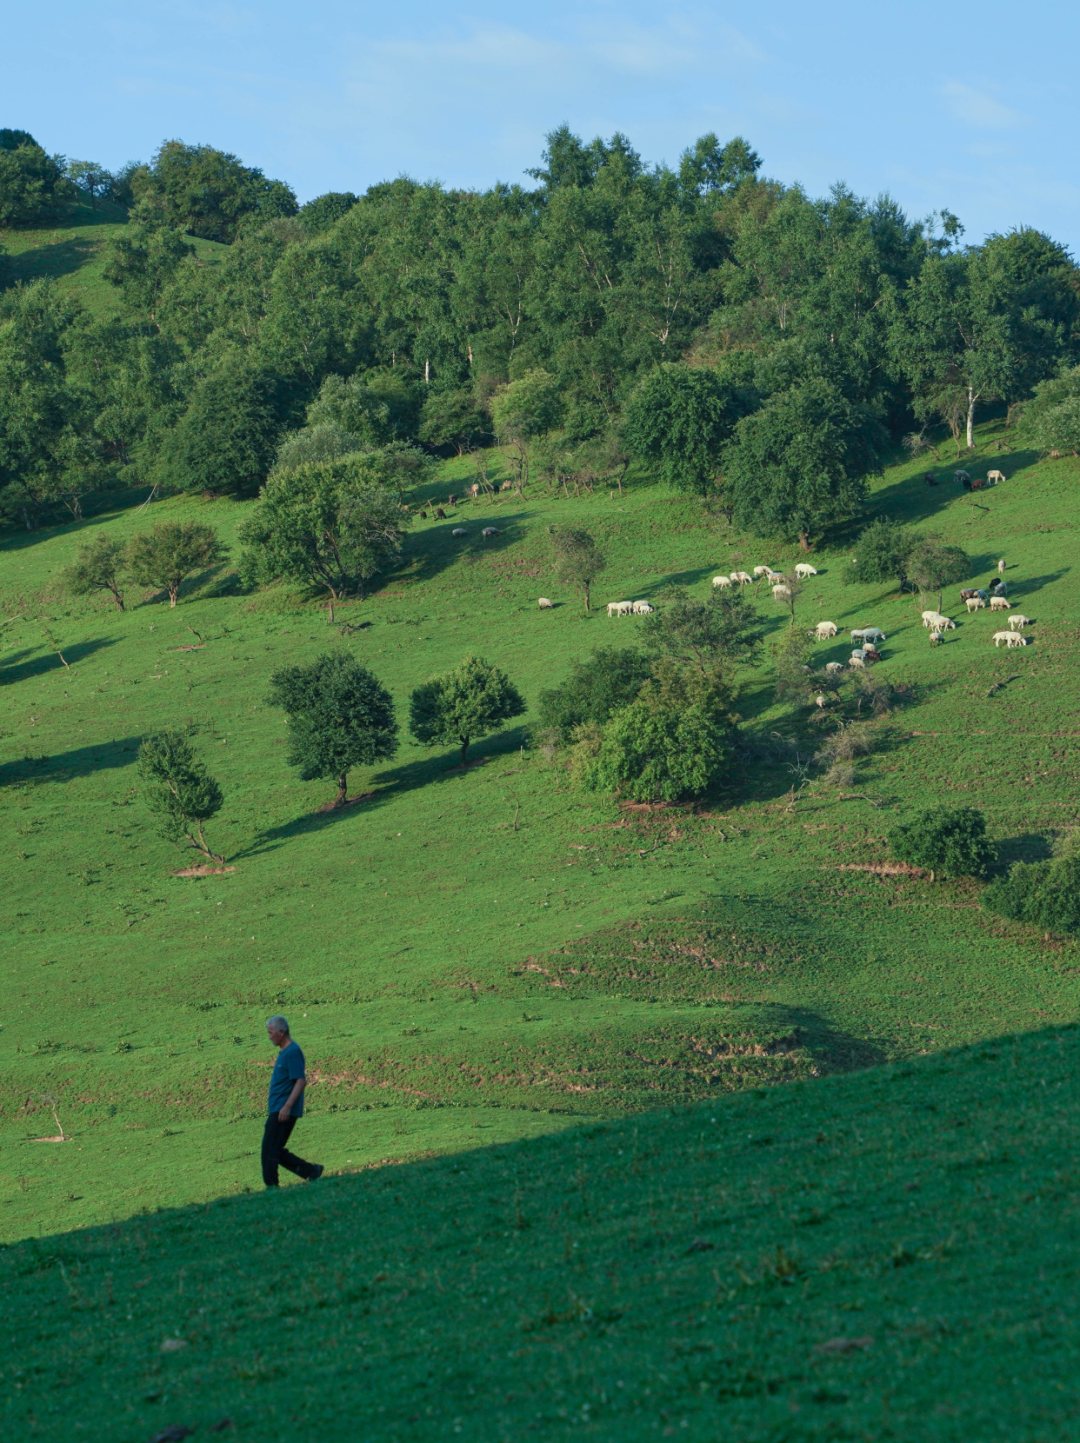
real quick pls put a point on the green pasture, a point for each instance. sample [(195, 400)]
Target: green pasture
[(71, 253), (484, 955), (886, 1255)]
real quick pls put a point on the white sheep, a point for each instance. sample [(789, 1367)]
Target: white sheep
[(1003, 636), (619, 608), (995, 476), (943, 623), (1001, 563), (825, 630), (929, 617), (545, 604), (742, 577), (975, 603), (1015, 639), (857, 658), (936, 638), (459, 531), (643, 608), (804, 569), (761, 571), (998, 603), (1019, 620), (821, 700), (721, 581), (868, 633), (491, 531), (781, 592), (774, 578), (832, 667)]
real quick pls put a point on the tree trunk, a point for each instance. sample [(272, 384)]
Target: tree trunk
[(330, 610), (588, 587), (342, 790), (972, 398), (464, 749), (804, 541), (173, 592), (118, 597)]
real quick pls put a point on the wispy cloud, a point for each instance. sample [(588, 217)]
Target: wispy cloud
[(975, 107)]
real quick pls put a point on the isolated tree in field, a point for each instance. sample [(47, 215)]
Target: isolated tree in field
[(799, 464), (935, 564), (332, 524), (1041, 894), (469, 702), (340, 716), (99, 566), (578, 559), (178, 790), (952, 841), (884, 551), (170, 552)]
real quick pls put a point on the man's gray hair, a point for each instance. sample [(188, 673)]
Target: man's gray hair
[(278, 1021)]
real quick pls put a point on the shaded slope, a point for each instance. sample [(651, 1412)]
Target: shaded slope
[(889, 1254)]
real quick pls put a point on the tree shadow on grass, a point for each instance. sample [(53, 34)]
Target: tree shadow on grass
[(66, 766), (1029, 847), (427, 554), (16, 669), (432, 770)]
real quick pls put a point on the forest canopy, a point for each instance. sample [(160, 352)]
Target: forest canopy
[(737, 337)]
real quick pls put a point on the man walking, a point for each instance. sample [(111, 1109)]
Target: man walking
[(287, 1083)]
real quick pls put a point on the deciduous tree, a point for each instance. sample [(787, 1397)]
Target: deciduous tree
[(178, 789), (167, 554), (99, 566), (469, 702), (578, 559)]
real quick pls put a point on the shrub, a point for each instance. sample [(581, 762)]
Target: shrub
[(656, 750), (596, 688), (952, 842), (1041, 894), (884, 550)]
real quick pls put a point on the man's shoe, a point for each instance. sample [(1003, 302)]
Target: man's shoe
[(317, 1174)]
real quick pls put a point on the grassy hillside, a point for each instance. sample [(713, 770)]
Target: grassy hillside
[(478, 956), (71, 252), (882, 1256)]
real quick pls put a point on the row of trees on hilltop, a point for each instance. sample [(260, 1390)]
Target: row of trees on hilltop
[(751, 344)]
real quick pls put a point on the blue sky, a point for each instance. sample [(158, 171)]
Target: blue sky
[(971, 106)]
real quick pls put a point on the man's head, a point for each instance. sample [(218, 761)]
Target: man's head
[(278, 1030)]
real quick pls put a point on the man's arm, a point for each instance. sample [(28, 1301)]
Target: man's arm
[(297, 1088)]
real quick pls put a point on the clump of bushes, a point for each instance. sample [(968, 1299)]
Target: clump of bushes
[(946, 840), (1041, 894)]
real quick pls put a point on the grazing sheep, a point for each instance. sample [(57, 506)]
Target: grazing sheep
[(943, 623), (1001, 563), (643, 608), (995, 476), (967, 593), (474, 489), (440, 513), (774, 578), (459, 531), (742, 577), (1019, 620), (824, 630), (832, 667), (545, 604), (999, 587), (491, 531), (423, 516), (620, 608), (928, 617), (506, 486), (721, 581), (821, 700), (998, 603), (975, 603), (1015, 639), (761, 571), (930, 479), (978, 484), (871, 653), (936, 638), (1002, 636), (961, 476), (804, 569), (781, 592), (857, 658), (868, 633)]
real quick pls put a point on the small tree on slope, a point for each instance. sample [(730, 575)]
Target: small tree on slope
[(98, 567), (340, 716), (168, 553), (178, 790), (471, 701)]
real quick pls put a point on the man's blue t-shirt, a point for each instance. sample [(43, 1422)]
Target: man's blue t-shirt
[(288, 1068)]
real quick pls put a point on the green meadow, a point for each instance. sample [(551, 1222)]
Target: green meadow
[(480, 957)]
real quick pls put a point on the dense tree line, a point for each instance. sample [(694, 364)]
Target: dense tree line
[(747, 342)]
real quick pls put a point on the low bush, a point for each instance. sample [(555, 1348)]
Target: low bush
[(1041, 894), (950, 841)]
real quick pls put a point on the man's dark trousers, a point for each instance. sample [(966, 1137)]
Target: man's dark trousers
[(274, 1153)]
